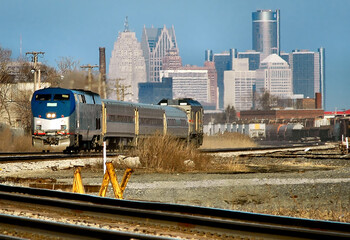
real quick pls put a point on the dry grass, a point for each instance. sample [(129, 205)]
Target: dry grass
[(10, 143), (168, 154), (235, 165), (227, 140)]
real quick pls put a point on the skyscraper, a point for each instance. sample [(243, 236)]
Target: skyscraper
[(254, 58), (322, 53), (155, 44), (305, 66), (126, 67), (212, 80), (308, 73), (223, 62), (275, 77), (239, 86), (266, 32), (172, 60), (189, 83), (208, 55)]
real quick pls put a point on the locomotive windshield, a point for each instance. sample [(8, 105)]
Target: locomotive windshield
[(43, 97), (61, 97)]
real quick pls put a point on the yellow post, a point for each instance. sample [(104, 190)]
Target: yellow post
[(77, 182), (126, 178), (110, 176), (113, 178), (104, 186)]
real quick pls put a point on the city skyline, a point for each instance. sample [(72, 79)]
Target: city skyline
[(77, 29)]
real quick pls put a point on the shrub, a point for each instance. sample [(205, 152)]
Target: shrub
[(228, 140), (169, 154)]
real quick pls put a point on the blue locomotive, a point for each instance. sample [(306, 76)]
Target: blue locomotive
[(74, 120)]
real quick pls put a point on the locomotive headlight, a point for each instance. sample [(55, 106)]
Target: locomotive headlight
[(51, 115)]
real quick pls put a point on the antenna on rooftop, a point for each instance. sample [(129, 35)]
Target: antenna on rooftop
[(126, 25)]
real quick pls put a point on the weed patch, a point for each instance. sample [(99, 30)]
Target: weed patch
[(168, 154), (227, 140)]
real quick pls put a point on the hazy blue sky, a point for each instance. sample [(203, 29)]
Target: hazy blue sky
[(77, 28)]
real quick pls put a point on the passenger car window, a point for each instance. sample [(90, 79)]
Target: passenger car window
[(43, 97), (60, 97)]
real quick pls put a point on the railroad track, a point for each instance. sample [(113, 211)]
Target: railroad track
[(39, 156), (97, 218)]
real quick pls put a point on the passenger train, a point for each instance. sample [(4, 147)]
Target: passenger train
[(74, 120)]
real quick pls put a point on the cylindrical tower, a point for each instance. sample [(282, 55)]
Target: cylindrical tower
[(266, 32)]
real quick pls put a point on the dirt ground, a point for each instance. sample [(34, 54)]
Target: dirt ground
[(274, 183)]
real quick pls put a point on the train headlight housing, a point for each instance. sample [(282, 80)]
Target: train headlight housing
[(50, 115)]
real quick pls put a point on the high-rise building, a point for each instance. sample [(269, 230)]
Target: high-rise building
[(285, 56), (305, 66), (275, 76), (322, 53), (208, 55), (266, 32), (153, 92), (239, 86), (308, 72), (172, 60), (254, 58), (223, 62), (126, 66), (189, 83), (213, 82), (155, 44)]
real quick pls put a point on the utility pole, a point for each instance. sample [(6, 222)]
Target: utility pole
[(36, 70), (124, 87), (120, 88), (89, 67)]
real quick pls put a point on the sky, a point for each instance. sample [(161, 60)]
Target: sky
[(77, 28)]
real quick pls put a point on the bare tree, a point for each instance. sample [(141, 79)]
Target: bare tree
[(23, 109), (267, 101), (5, 80), (67, 64), (230, 114)]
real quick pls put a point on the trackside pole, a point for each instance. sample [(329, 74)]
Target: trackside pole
[(104, 156)]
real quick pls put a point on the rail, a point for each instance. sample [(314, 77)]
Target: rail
[(193, 219), (38, 156)]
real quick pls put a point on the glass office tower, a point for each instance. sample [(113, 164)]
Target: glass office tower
[(322, 59), (155, 44), (266, 32)]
